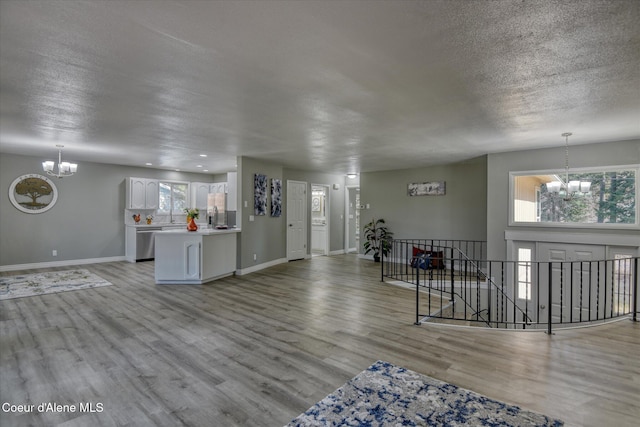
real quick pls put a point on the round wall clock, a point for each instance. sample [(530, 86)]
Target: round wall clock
[(33, 193)]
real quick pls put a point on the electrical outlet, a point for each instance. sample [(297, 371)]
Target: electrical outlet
[(54, 252), (255, 257)]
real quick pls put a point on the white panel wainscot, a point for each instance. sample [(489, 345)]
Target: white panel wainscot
[(195, 257)]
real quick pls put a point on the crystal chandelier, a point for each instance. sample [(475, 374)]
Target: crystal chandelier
[(64, 168), (565, 188)]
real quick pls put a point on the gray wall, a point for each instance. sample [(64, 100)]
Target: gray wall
[(460, 214), (264, 235), (86, 222), (499, 166)]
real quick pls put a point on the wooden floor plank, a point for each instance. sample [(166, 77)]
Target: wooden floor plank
[(259, 349)]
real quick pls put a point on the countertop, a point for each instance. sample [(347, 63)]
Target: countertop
[(201, 231), (161, 224)]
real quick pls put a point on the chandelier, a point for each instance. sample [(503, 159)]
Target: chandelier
[(565, 188), (64, 168)]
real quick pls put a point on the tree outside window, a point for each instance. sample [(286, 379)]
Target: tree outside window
[(611, 199)]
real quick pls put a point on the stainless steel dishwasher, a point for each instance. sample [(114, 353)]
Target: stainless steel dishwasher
[(145, 243)]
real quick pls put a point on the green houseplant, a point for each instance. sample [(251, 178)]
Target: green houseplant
[(377, 238), (192, 213)]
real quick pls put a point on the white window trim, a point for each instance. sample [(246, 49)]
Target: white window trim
[(513, 223), (529, 283), (170, 181)]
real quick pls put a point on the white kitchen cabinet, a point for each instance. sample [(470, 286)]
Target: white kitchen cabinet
[(142, 193), (232, 191), (219, 187), (152, 194), (136, 193), (184, 257), (319, 238), (201, 190), (199, 194), (130, 244)]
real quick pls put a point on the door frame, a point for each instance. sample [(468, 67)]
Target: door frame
[(327, 210), (305, 219), (347, 230), (532, 304)]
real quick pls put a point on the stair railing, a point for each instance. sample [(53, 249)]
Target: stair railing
[(558, 293), (479, 272)]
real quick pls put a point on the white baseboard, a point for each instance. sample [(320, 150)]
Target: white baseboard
[(258, 267), (338, 252), (60, 263)]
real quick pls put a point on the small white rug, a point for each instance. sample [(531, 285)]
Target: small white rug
[(50, 282)]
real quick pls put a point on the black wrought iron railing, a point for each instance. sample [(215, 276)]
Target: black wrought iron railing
[(455, 283)]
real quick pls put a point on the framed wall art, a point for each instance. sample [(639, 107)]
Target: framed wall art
[(33, 193), (434, 188), (276, 197), (315, 203), (260, 194)]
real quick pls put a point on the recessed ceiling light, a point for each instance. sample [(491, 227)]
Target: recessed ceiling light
[(149, 164), (205, 170), (199, 166), (203, 155)]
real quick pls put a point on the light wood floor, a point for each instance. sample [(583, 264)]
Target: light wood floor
[(259, 349)]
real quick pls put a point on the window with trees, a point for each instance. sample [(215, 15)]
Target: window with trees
[(610, 199), (174, 197)]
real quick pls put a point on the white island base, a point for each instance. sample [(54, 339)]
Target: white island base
[(194, 257)]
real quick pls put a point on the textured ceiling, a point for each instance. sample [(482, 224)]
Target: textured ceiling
[(334, 86)]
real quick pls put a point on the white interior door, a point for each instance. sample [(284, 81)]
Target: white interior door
[(296, 220), (571, 296)]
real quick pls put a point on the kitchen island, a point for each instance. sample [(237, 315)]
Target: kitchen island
[(194, 257)]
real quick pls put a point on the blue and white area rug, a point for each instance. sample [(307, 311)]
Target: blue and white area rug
[(50, 282), (388, 395)]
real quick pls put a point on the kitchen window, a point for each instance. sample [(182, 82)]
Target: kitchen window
[(174, 197)]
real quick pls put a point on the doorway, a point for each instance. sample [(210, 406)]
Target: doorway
[(352, 224), (296, 220), (570, 280), (319, 220)]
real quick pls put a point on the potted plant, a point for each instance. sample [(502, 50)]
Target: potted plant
[(377, 238), (192, 215)]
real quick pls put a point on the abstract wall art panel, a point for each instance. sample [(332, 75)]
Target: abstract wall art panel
[(434, 188), (260, 194), (276, 197)]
